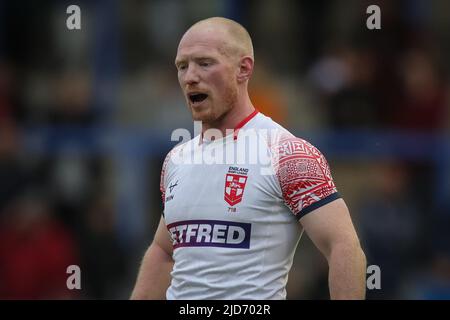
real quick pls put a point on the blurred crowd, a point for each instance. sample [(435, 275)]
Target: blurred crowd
[(86, 117)]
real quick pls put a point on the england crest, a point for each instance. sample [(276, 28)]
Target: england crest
[(234, 188)]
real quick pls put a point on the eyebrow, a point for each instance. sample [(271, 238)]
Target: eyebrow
[(199, 58), (178, 61)]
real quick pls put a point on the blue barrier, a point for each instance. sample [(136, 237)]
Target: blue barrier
[(131, 147)]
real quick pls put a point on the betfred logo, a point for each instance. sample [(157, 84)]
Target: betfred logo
[(210, 233)]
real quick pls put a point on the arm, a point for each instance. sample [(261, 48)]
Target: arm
[(331, 230), (154, 275)]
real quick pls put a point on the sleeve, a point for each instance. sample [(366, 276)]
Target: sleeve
[(163, 179), (304, 176)]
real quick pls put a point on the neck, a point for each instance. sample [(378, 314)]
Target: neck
[(233, 117)]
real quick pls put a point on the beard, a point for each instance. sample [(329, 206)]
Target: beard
[(214, 111)]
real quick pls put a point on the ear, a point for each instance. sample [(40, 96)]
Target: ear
[(245, 69)]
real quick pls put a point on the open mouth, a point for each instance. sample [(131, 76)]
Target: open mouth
[(197, 97)]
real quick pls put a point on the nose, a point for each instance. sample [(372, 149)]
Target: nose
[(191, 75)]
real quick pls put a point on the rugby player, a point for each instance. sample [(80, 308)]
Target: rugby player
[(229, 230)]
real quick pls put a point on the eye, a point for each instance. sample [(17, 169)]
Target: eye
[(181, 66), (205, 63)]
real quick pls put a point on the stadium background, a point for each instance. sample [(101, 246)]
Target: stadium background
[(86, 117)]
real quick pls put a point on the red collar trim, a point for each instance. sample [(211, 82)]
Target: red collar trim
[(243, 123), (238, 126)]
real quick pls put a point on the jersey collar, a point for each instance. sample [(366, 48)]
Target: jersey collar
[(243, 123), (239, 125)]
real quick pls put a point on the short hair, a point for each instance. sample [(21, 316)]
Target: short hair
[(241, 42)]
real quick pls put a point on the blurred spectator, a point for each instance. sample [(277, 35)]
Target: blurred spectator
[(6, 107), (71, 178), (35, 251), (72, 99), (103, 261), (152, 98), (14, 175), (390, 228), (422, 103), (345, 79), (433, 281), (435, 285)]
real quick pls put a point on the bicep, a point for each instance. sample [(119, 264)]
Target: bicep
[(330, 225), (162, 237)]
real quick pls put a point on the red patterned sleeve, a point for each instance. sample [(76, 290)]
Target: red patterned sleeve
[(304, 175)]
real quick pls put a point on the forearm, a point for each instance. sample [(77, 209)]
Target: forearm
[(347, 272), (154, 275)]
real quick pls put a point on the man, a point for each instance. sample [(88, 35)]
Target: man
[(230, 231)]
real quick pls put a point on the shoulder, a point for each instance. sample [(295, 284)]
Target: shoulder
[(285, 145), (175, 155), (167, 167), (170, 159), (264, 122), (296, 156), (303, 173), (288, 147)]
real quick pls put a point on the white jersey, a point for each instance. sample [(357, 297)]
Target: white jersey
[(234, 224)]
